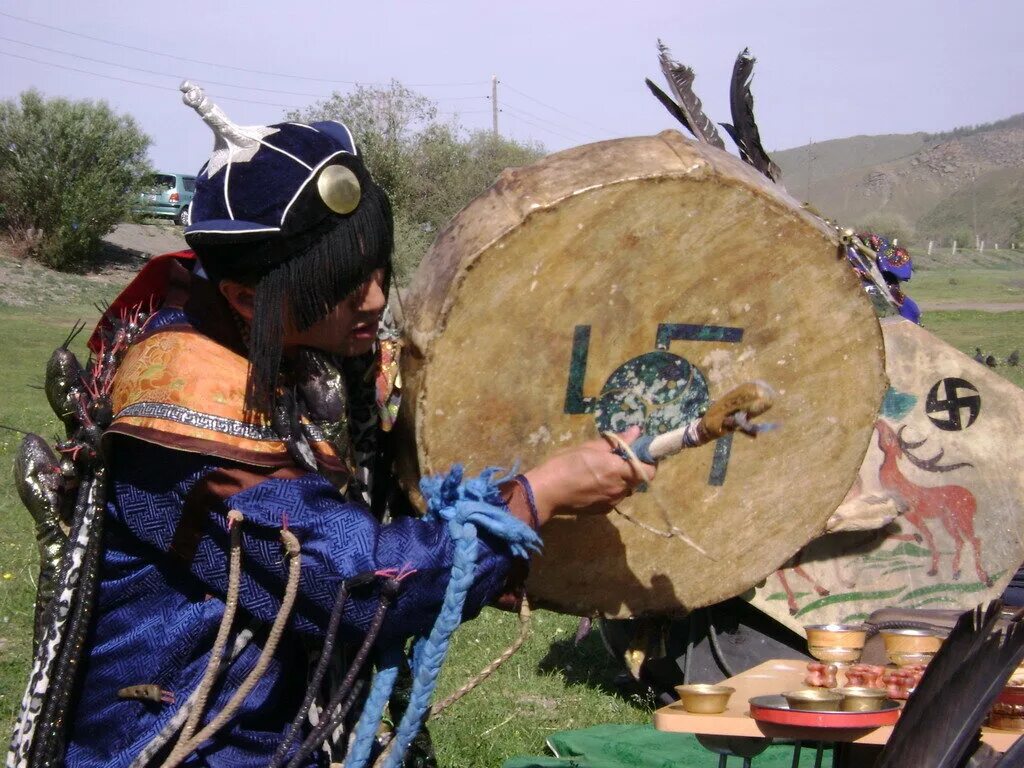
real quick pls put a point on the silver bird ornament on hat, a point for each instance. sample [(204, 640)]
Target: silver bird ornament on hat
[(233, 143)]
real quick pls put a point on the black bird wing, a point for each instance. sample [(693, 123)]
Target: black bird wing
[(680, 81), (744, 127), (941, 724)]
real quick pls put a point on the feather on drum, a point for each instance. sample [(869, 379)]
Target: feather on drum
[(633, 282)]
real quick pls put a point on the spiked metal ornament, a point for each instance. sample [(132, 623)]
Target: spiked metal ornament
[(233, 143)]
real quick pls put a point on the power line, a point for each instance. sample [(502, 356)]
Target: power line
[(520, 110), (193, 60), (554, 109), (205, 81), (156, 72), (543, 128), (139, 82)]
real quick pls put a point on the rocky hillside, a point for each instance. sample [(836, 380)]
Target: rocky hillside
[(927, 181)]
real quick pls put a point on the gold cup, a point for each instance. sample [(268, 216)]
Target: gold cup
[(817, 699), (836, 643), (857, 699), (704, 699), (906, 647)]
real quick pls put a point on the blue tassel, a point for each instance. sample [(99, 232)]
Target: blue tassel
[(478, 501)]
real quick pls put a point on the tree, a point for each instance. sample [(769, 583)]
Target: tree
[(385, 123), (69, 171), (429, 168), (889, 225)]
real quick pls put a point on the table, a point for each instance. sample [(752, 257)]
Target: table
[(772, 677)]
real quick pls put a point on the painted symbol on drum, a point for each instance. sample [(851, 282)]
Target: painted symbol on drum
[(956, 395), (657, 391)]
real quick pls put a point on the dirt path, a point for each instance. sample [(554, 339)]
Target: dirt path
[(980, 306), (146, 239), (25, 283)]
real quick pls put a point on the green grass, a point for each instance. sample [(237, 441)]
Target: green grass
[(549, 685), (996, 333), (968, 285), (943, 259)]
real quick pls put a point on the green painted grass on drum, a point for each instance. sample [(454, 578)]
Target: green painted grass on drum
[(549, 685)]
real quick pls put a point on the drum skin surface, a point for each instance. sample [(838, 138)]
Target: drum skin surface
[(629, 282)]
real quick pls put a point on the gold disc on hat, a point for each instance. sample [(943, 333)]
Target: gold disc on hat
[(339, 188)]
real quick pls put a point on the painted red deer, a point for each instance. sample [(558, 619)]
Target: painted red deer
[(953, 505)]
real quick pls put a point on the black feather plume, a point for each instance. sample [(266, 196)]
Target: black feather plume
[(744, 128), (680, 80), (670, 105), (940, 726)]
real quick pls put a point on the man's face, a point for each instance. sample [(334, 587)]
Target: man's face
[(350, 328)]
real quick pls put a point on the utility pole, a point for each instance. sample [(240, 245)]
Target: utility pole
[(811, 157), (494, 104)]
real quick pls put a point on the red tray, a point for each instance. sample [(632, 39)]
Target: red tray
[(1012, 694), (774, 709)]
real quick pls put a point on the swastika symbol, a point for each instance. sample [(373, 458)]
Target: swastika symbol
[(950, 397)]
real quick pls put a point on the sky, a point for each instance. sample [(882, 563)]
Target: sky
[(569, 72)]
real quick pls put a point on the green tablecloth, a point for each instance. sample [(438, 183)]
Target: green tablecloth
[(641, 746)]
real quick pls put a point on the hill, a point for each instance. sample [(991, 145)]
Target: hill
[(993, 207), (923, 180)]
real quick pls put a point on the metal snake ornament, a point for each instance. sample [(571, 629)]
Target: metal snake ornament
[(65, 492), (42, 488)]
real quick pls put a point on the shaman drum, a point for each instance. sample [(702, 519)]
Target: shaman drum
[(631, 282)]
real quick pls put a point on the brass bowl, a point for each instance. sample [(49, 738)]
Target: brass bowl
[(857, 699), (910, 641), (829, 642), (814, 699), (910, 658), (834, 654), (704, 699)]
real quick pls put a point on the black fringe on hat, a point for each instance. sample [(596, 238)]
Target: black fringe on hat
[(304, 276)]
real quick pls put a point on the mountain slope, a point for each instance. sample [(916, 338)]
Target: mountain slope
[(909, 176)]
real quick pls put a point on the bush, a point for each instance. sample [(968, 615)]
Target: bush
[(69, 171), (888, 225)]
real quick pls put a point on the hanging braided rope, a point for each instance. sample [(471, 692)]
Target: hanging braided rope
[(202, 692), (318, 676), (365, 732), (490, 669), (171, 727), (430, 655), (184, 748), (332, 716), (467, 507)]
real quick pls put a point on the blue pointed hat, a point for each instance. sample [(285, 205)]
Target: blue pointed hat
[(291, 210), (270, 181)]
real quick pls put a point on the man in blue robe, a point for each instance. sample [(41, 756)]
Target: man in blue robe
[(244, 417)]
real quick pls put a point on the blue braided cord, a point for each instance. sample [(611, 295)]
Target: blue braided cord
[(465, 505), (479, 502), (430, 656), (365, 732)]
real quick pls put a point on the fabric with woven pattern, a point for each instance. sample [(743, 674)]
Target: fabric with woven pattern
[(160, 601)]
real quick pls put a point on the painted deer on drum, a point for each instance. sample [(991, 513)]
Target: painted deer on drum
[(953, 505)]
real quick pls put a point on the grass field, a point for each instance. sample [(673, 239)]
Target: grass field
[(968, 286), (550, 684)]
